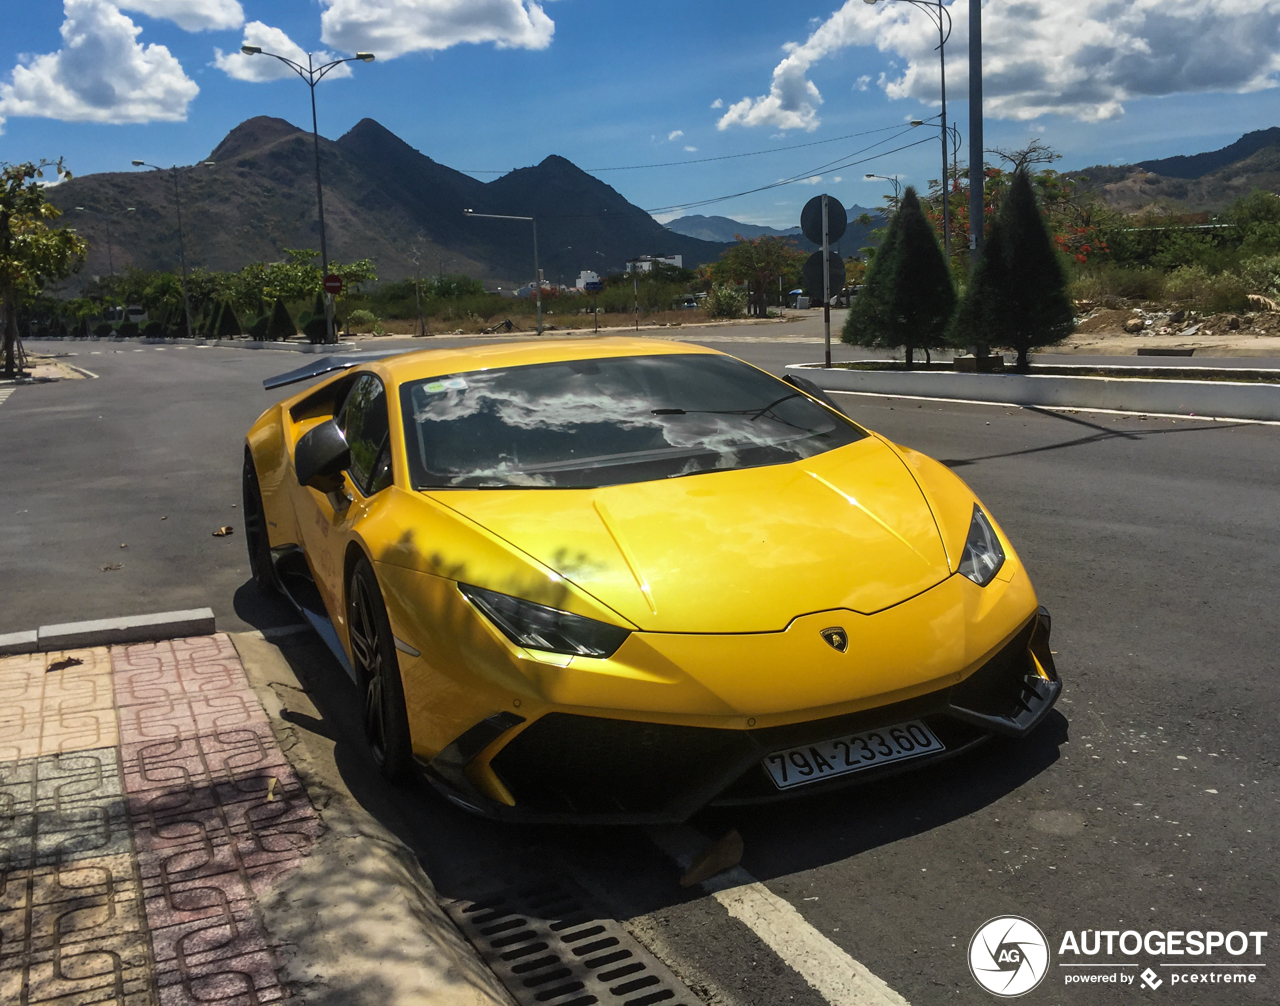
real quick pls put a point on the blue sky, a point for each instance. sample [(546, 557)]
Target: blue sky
[(486, 85)]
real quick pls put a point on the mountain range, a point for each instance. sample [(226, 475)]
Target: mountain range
[(383, 200), (727, 230), (1205, 182)]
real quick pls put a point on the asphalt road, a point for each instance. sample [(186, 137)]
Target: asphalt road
[(1149, 802)]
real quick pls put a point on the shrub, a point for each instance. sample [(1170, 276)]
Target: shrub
[(258, 330), (316, 328), (725, 301), (362, 320), (1193, 285), (1099, 282), (1262, 274), (153, 330), (128, 330), (103, 329)]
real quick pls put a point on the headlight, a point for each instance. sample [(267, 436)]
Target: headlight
[(983, 555), (541, 628)]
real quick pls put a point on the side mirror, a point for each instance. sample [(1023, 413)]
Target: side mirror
[(321, 456)]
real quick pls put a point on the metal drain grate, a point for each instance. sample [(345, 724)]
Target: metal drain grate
[(550, 949)]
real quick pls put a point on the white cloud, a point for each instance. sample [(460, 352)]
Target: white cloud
[(392, 28), (718, 103), (692, 150), (101, 74), (191, 15), (1083, 59), (675, 134), (862, 82), (811, 180), (262, 67), (837, 179)]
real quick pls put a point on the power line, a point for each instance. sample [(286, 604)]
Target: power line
[(706, 160), (833, 166)]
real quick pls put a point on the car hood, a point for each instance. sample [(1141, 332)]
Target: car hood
[(733, 551)]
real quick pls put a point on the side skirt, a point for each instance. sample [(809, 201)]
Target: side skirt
[(300, 587)]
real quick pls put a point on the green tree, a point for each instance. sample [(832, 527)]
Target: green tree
[(281, 325), (32, 253), (907, 299), (1017, 296), (760, 263)]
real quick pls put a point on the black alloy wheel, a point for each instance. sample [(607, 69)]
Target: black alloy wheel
[(255, 531), (373, 655)]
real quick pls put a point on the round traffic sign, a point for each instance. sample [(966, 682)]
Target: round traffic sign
[(333, 284), (812, 276), (811, 219)]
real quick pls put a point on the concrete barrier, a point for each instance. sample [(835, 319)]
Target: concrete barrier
[(1217, 399)]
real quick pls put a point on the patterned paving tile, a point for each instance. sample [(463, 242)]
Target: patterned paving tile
[(144, 807)]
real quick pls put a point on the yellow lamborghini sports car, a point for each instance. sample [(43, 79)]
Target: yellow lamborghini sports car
[(619, 579)]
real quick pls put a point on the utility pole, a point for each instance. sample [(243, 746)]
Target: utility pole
[(182, 245), (977, 172), (826, 281), (537, 273)]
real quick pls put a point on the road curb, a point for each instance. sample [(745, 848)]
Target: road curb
[(110, 631), (1202, 399)]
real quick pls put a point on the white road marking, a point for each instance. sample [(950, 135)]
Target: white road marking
[(835, 975), (4, 394)]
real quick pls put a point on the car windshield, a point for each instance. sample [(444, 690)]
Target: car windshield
[(589, 423)]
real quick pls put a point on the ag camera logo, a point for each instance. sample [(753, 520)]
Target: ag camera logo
[(1008, 956)]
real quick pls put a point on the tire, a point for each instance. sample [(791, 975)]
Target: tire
[(255, 531), (377, 667)]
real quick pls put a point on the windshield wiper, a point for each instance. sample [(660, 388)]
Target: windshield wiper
[(753, 413)]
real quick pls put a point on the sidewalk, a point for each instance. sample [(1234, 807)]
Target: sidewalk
[(155, 843)]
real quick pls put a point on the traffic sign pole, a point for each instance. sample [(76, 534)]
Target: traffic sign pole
[(826, 280)]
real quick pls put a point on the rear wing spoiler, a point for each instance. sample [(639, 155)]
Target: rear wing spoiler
[(326, 365)]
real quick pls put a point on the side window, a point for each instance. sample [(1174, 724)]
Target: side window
[(364, 422)]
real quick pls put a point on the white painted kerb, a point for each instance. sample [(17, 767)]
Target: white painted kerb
[(1224, 399)]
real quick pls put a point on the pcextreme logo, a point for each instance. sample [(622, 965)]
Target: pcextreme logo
[(1008, 956)]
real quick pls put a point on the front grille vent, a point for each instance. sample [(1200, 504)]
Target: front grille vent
[(549, 948)]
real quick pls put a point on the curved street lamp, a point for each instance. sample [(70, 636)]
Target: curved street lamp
[(537, 273), (897, 185), (182, 247), (312, 75), (942, 18), (107, 218)]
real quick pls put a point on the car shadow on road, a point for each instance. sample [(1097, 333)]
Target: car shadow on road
[(1101, 433), (467, 857)]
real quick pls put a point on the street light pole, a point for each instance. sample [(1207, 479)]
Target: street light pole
[(941, 17), (537, 273), (897, 185), (977, 170), (312, 75), (106, 223), (182, 245)]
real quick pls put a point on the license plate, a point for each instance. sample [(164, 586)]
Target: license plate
[(851, 753)]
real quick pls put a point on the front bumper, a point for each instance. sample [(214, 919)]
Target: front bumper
[(591, 769)]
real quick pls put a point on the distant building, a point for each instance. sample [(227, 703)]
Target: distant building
[(645, 263), (585, 277)]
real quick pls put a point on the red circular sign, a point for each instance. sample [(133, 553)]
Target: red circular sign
[(333, 284)]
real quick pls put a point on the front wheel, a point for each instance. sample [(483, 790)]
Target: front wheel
[(373, 655)]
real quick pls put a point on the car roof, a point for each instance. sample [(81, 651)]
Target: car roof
[(414, 365), (436, 362)]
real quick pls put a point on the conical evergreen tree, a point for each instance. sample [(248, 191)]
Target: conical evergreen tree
[(867, 322), (281, 325), (228, 324), (1017, 296), (912, 297)]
